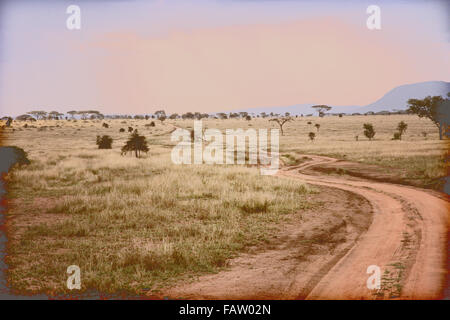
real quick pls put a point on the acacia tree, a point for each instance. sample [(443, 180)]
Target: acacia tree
[(38, 114), (281, 122), (317, 126), (434, 108), (321, 108), (72, 113), (136, 143)]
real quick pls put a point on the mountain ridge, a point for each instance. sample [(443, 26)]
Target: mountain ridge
[(394, 99)]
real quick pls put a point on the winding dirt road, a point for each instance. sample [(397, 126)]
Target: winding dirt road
[(406, 239)]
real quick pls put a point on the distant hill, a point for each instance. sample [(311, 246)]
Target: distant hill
[(396, 99)]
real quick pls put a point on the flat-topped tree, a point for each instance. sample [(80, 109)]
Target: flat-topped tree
[(281, 122), (435, 108), (72, 113), (85, 113), (38, 114), (54, 115), (321, 109)]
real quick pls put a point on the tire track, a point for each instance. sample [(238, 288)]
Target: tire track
[(411, 251)]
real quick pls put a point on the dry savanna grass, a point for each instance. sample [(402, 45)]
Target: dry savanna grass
[(131, 224), (140, 224), (420, 155)]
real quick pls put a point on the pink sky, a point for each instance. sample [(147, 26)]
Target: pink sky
[(213, 57)]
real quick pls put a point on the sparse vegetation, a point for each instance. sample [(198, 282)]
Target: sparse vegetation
[(149, 222)]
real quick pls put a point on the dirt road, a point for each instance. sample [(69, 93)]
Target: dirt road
[(406, 239)]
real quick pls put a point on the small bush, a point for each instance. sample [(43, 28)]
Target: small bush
[(104, 142), (401, 128), (311, 136), (397, 136), (105, 125), (369, 130), (130, 129), (121, 130)]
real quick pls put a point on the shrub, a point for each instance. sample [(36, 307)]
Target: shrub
[(311, 136), (121, 130), (152, 124), (401, 127), (105, 125), (130, 129), (104, 142), (369, 131), (397, 136)]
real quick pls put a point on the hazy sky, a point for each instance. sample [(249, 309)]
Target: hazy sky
[(139, 56)]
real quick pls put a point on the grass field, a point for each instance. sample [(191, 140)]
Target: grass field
[(138, 224)]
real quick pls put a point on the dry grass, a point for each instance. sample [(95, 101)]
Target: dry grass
[(138, 224), (419, 157), (131, 224)]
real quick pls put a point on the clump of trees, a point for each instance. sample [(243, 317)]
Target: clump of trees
[(136, 143), (434, 108), (104, 142), (369, 130)]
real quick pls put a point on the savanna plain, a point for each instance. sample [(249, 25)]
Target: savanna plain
[(137, 226)]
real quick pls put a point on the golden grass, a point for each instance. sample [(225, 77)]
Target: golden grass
[(139, 224), (131, 224)]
